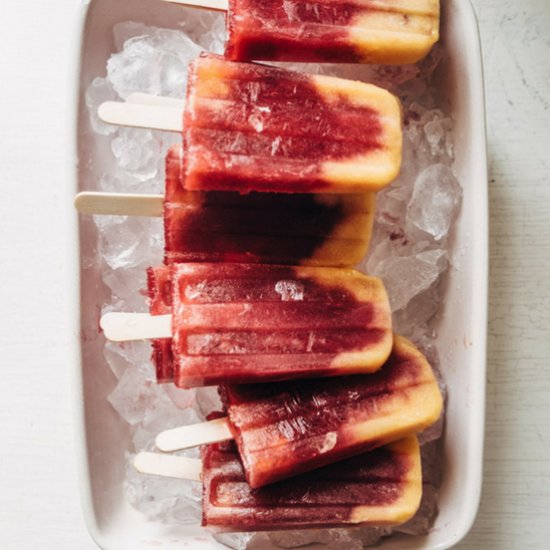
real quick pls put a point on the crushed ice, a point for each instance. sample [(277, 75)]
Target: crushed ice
[(290, 291), (409, 251)]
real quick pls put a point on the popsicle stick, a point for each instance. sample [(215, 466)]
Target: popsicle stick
[(119, 204), (214, 5), (194, 435), (138, 115), (150, 99), (180, 467), (123, 327)]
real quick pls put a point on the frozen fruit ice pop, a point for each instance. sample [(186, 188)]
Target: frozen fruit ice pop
[(251, 127), (244, 322), (382, 487), (289, 229), (250, 323), (356, 31), (286, 428)]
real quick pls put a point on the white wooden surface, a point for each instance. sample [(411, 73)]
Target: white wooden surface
[(39, 503)]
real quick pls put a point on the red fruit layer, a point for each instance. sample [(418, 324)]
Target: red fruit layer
[(256, 128), (325, 497), (292, 30)]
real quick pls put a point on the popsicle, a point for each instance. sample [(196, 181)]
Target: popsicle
[(286, 428), (219, 226), (288, 229), (382, 487), (251, 323), (354, 31), (249, 127)]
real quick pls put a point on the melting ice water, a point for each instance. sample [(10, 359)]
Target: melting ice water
[(409, 251)]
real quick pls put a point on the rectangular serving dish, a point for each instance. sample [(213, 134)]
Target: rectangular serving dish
[(103, 438)]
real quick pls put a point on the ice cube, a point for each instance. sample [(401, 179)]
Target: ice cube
[(215, 37), (135, 69), (435, 134), (137, 152), (115, 359), (181, 398), (391, 204), (432, 463), (236, 541), (422, 521), (143, 439), (407, 276), (207, 401), (434, 432), (331, 539), (136, 353), (133, 395), (413, 320), (165, 499), (98, 91), (161, 414), (205, 28), (123, 181), (125, 30), (370, 536), (153, 61), (130, 241), (435, 200), (122, 283)]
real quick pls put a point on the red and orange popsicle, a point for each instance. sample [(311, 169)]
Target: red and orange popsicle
[(251, 323), (256, 128), (379, 488), (382, 487), (288, 229), (249, 127), (328, 31), (334, 31)]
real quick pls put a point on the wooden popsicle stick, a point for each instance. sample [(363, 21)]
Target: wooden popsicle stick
[(119, 204), (150, 99), (194, 435), (180, 467), (138, 115), (214, 5), (123, 327)]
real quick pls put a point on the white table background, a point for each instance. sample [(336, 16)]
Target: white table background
[(39, 502)]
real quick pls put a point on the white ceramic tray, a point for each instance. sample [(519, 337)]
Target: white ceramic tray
[(103, 437)]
